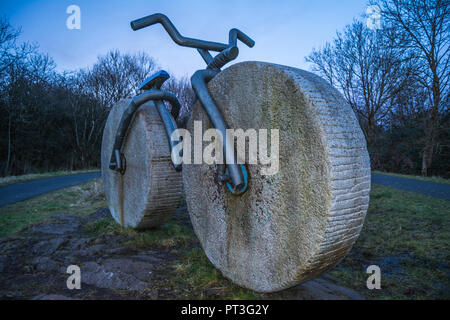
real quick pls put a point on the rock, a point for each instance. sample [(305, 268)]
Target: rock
[(296, 224), (3, 260), (27, 270), (48, 247), (117, 274), (57, 228), (45, 264), (9, 244), (317, 289), (79, 243), (148, 256), (121, 250), (153, 294), (93, 250), (52, 297), (99, 214), (149, 191)]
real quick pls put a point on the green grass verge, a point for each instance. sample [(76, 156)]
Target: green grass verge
[(428, 179), (34, 176), (408, 236), (77, 200), (169, 235), (199, 275)]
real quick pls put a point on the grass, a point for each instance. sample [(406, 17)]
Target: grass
[(169, 235), (200, 276), (33, 176), (428, 179), (408, 236), (77, 200)]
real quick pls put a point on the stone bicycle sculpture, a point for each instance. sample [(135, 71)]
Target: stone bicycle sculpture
[(264, 232)]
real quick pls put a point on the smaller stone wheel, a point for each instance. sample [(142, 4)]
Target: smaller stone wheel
[(149, 191)]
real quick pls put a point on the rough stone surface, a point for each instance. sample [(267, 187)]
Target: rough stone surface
[(118, 274), (149, 191), (119, 271), (292, 226), (35, 261), (52, 297)]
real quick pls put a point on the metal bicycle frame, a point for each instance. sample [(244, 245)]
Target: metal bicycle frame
[(153, 93), (227, 53)]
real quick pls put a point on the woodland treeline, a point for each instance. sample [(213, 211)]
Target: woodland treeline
[(395, 76), (54, 121), (396, 79)]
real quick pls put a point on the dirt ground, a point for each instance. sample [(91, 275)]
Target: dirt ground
[(33, 265)]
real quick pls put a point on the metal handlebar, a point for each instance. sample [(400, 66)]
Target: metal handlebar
[(227, 52), (174, 34), (238, 34)]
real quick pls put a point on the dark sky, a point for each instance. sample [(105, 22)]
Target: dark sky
[(284, 31)]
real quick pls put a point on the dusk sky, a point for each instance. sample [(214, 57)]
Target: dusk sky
[(285, 31)]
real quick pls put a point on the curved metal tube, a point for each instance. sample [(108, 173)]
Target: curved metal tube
[(159, 95), (174, 34), (170, 126), (223, 58), (227, 52), (199, 80), (128, 115), (238, 34), (230, 53)]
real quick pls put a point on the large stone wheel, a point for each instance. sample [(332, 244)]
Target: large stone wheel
[(149, 191), (291, 226)]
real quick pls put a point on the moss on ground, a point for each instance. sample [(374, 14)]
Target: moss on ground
[(77, 200), (169, 235), (408, 236), (201, 278)]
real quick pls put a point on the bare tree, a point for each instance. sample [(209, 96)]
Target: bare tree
[(366, 68), (10, 50), (116, 76), (426, 25), (183, 90), (87, 119), (12, 56)]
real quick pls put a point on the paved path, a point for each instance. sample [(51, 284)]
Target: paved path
[(432, 189), (25, 190)]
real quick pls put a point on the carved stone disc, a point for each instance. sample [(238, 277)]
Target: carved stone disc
[(149, 191), (291, 226)]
